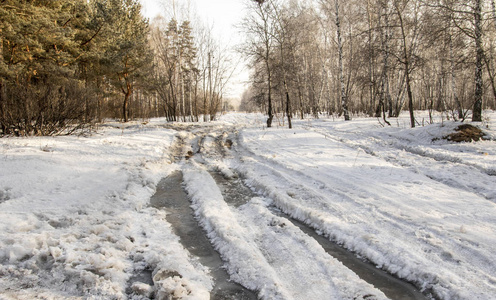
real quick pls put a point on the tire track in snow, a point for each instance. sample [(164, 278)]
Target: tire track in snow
[(236, 194), (171, 196), (292, 187), (233, 189), (264, 253)]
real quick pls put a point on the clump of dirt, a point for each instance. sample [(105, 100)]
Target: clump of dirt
[(466, 133), (189, 155)]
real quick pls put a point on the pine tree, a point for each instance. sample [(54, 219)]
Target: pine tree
[(127, 57), (188, 68), (39, 54)]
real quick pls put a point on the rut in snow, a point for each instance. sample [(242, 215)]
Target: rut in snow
[(171, 196), (236, 193)]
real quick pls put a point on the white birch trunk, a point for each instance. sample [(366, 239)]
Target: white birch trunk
[(344, 100), (477, 113)]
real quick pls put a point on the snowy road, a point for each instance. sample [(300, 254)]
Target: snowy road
[(77, 222), (434, 232), (262, 251)]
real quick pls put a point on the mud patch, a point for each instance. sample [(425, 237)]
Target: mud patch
[(178, 149), (466, 133), (234, 191), (171, 196)]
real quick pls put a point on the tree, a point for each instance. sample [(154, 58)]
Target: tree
[(189, 67), (39, 85), (260, 30), (344, 98), (127, 57), (400, 7), (468, 19), (382, 56), (282, 32), (479, 57)]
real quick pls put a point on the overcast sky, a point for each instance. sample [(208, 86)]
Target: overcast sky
[(223, 15)]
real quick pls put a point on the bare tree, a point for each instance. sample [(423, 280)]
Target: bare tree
[(344, 99), (400, 7), (383, 56), (327, 5), (479, 60), (260, 27)]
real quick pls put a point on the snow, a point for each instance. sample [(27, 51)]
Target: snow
[(75, 220), (261, 257), (76, 223), (422, 210)]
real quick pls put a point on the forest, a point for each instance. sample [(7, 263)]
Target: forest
[(66, 65), (374, 57)]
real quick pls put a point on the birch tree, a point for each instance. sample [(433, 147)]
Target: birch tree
[(407, 48), (259, 27), (479, 60), (344, 99)]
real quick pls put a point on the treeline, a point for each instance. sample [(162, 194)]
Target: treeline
[(68, 64), (375, 57), (191, 70)]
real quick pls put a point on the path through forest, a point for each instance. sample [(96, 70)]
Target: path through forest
[(208, 149), (232, 209)]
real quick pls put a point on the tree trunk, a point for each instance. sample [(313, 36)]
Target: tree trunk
[(344, 100), (456, 101), (210, 89), (183, 96), (269, 104), (288, 106), (406, 62), (371, 58), (269, 80), (384, 94), (125, 107), (3, 126), (2, 98), (300, 97), (205, 94), (127, 90), (477, 113), (491, 76)]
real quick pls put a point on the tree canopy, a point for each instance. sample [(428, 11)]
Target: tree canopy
[(58, 55)]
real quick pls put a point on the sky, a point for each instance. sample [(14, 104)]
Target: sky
[(222, 15)]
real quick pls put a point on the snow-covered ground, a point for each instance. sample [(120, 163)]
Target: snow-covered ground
[(75, 219)]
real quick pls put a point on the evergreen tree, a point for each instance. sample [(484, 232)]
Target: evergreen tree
[(127, 57), (39, 52)]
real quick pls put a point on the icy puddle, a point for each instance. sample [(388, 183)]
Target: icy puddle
[(236, 194), (171, 196)]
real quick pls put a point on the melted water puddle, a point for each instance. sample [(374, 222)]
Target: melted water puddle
[(236, 193), (171, 196)]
